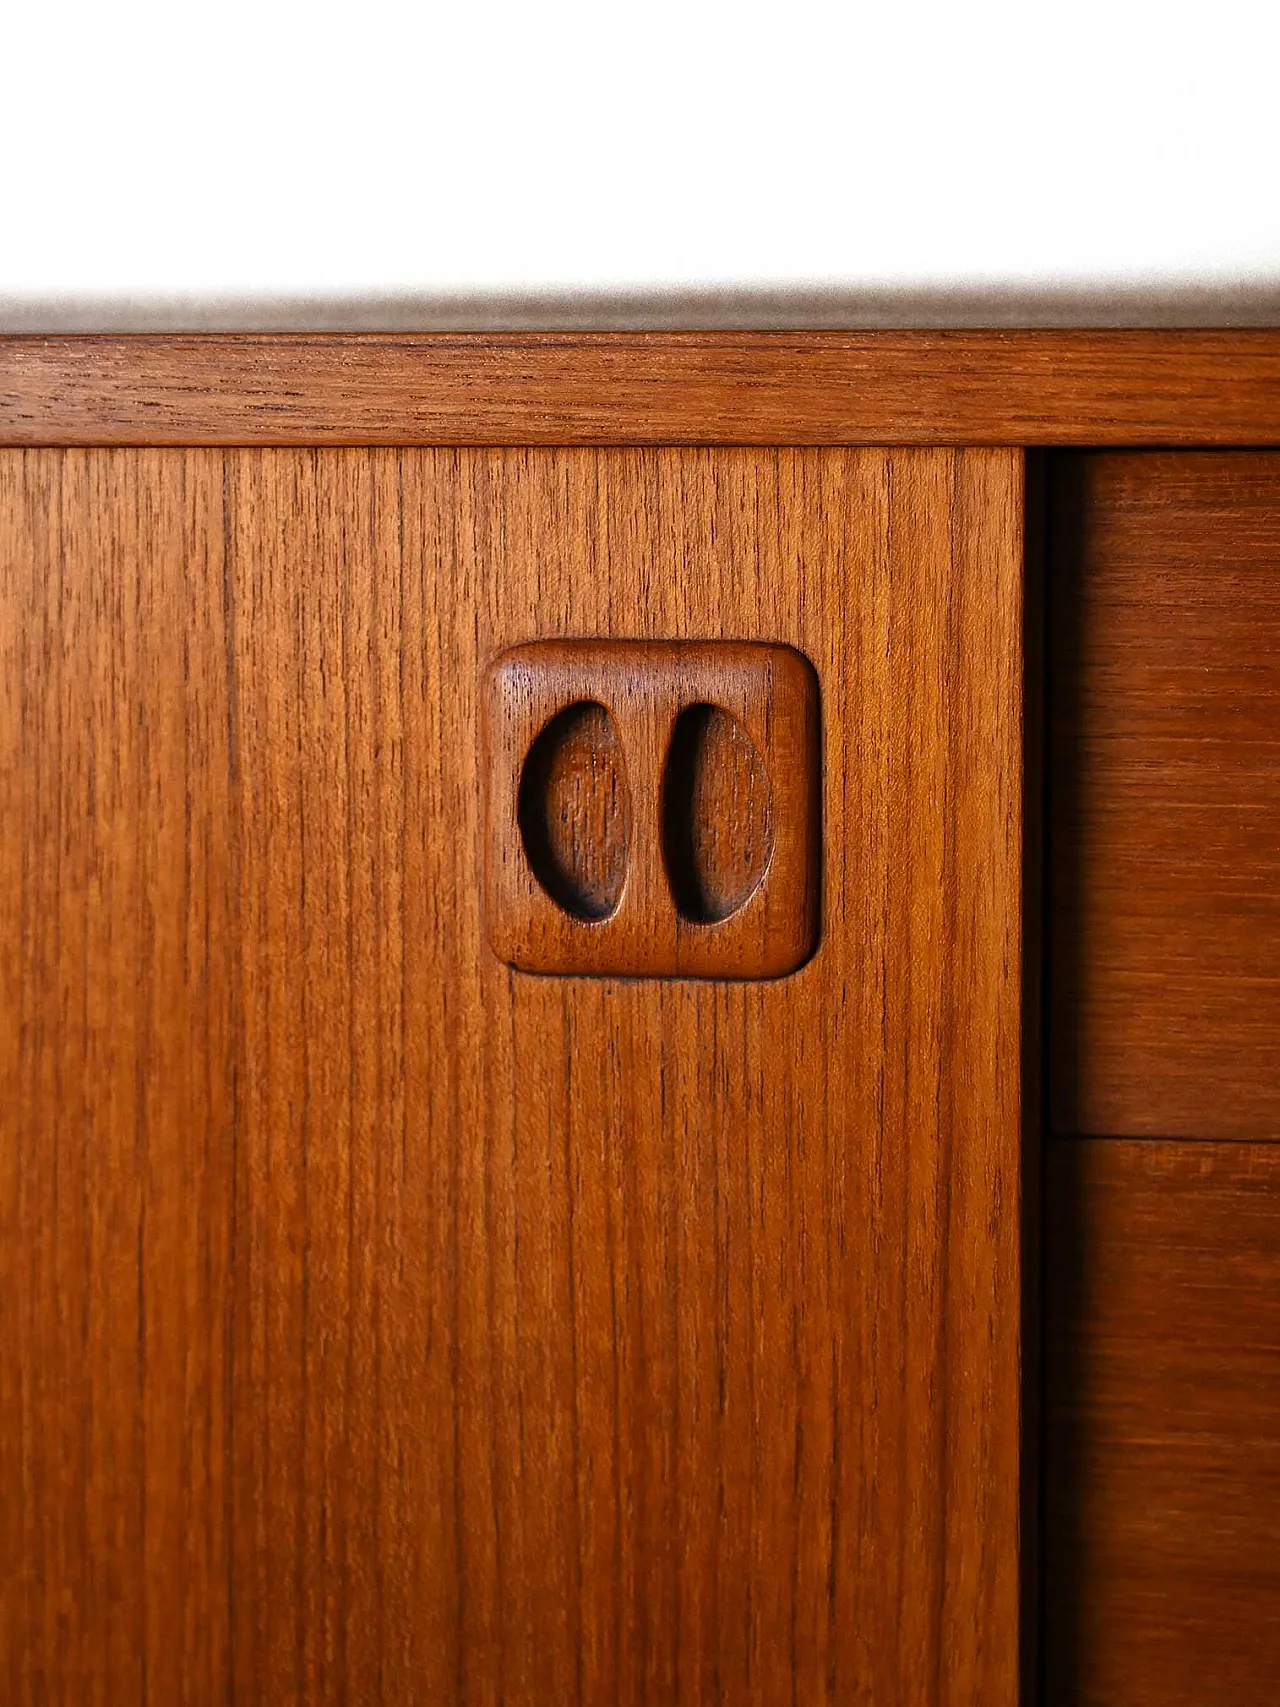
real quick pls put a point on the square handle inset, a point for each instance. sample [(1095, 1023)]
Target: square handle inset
[(651, 808)]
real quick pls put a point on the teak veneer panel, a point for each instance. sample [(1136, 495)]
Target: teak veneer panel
[(910, 388), (1165, 793), (387, 1326), (1163, 1459)]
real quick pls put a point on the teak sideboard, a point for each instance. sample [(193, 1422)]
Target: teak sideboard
[(640, 1020)]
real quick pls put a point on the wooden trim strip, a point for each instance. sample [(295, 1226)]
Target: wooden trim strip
[(925, 388)]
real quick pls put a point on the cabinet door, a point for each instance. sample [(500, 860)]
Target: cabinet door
[(384, 1324)]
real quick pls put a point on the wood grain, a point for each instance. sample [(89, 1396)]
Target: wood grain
[(1163, 1463), (386, 1326), (926, 388), (1166, 795)]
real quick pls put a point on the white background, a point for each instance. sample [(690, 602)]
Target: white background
[(278, 163)]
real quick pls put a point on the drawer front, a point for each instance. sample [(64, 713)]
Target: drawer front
[(387, 1324), (1165, 795), (1163, 1321)]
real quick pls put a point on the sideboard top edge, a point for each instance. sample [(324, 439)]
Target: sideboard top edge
[(943, 387)]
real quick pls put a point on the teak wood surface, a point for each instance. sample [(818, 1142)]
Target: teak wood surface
[(387, 1326), (908, 388), (1163, 1459), (1165, 794)]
